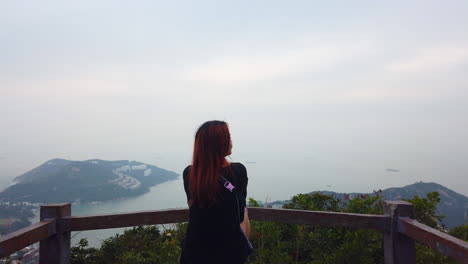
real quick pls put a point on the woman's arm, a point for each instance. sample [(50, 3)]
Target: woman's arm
[(245, 225)]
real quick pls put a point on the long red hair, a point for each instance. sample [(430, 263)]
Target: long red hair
[(212, 145)]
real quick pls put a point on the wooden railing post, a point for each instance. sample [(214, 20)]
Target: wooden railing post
[(398, 248), (55, 249)]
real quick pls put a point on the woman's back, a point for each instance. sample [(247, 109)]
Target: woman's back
[(213, 232)]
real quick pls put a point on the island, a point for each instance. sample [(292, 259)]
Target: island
[(453, 205), (68, 181)]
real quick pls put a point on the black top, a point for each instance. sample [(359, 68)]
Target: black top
[(213, 233)]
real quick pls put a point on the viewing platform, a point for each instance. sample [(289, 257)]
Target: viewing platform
[(399, 229)]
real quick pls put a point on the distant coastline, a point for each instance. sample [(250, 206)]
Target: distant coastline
[(75, 182)]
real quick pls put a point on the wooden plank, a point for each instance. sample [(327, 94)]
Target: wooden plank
[(442, 242), (290, 216), (398, 248), (79, 223), (26, 236), (55, 249), (105, 221)]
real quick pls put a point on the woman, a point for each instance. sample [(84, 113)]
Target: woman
[(213, 233)]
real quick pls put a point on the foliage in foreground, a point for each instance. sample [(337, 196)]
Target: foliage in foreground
[(279, 243), (142, 244)]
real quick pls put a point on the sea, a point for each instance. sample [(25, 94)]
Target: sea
[(270, 179)]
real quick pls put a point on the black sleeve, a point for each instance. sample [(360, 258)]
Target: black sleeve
[(244, 182), (185, 175), (242, 195)]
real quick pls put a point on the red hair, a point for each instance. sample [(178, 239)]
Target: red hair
[(212, 145)]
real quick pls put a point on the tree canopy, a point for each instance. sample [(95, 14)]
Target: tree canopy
[(279, 243)]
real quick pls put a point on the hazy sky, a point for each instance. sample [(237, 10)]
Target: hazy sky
[(353, 81)]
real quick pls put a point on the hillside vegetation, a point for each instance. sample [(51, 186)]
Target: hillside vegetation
[(452, 204), (60, 180), (280, 243)]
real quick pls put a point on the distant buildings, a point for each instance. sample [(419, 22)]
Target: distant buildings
[(27, 255)]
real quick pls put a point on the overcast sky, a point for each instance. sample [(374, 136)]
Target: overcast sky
[(363, 80)]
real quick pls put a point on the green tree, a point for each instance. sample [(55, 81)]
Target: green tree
[(142, 244), (279, 243), (460, 232), (425, 209), (81, 253), (284, 243)]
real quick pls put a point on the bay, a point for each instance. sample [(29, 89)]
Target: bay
[(274, 178)]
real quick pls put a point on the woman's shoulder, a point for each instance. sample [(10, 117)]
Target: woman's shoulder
[(239, 167), (240, 178)]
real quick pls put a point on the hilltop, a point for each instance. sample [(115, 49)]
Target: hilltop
[(452, 204), (61, 180)]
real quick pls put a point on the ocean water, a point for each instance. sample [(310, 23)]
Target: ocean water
[(270, 179)]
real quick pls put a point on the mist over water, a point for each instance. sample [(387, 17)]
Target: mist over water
[(286, 161), (318, 95), (279, 179), (276, 175)]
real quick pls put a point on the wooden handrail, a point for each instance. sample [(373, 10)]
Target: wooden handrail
[(442, 242), (26, 236), (291, 216), (104, 221), (399, 229)]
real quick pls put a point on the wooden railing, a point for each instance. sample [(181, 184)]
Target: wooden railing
[(400, 230)]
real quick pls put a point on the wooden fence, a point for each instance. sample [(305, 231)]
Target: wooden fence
[(399, 229)]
